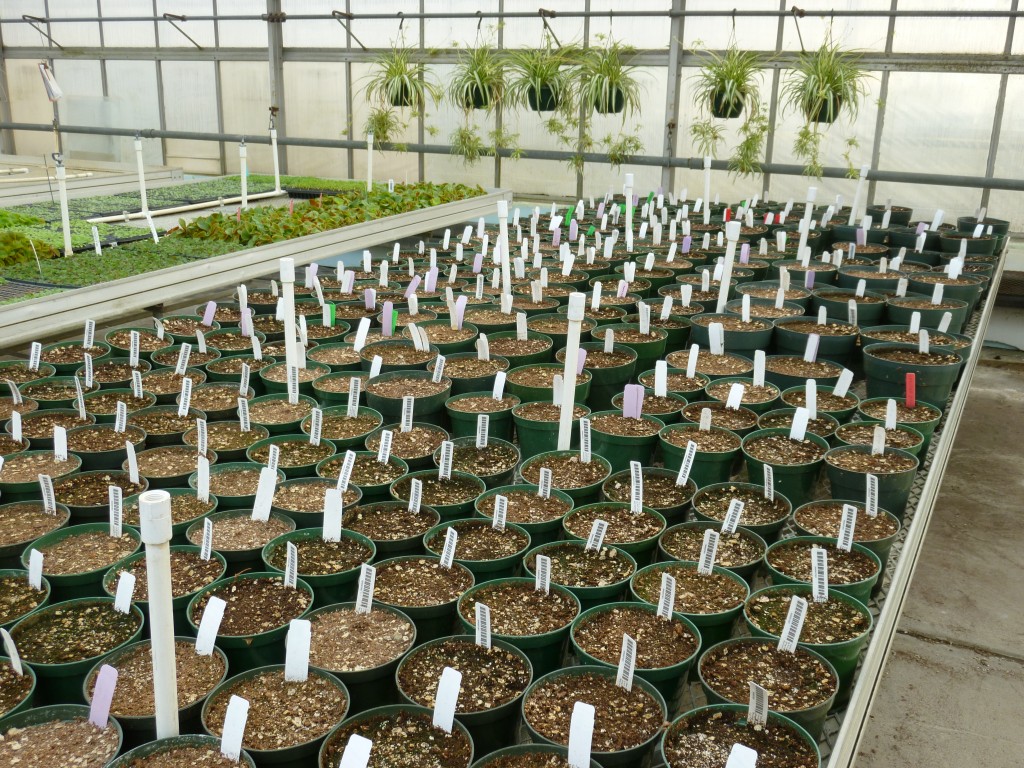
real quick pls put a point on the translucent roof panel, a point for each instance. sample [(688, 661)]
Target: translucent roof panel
[(128, 34), (203, 32), (242, 34), (949, 34), (717, 33), (867, 33)]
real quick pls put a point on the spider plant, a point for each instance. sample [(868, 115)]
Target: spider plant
[(478, 81), (385, 125), (465, 141), (605, 84), (400, 81), (541, 79)]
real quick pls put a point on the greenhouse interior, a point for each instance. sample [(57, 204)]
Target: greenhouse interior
[(421, 384)]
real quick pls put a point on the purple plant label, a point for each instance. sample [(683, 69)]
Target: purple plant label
[(431, 284), (414, 284), (211, 310), (632, 401), (478, 263), (687, 243), (556, 237), (102, 696), (745, 253), (581, 361), (370, 298), (809, 280), (622, 290), (574, 230), (922, 226), (388, 319), (600, 209)]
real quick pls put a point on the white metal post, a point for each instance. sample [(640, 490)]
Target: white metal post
[(506, 274), (732, 235), (291, 354), (629, 212), (155, 518), (369, 162), (577, 307), (243, 169), (707, 190), (277, 160), (142, 174), (62, 190)]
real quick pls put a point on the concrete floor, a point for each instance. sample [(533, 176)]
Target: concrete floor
[(951, 692)]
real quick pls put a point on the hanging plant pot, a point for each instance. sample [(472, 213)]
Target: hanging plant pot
[(401, 96), (477, 98), (542, 99), (611, 101), (724, 109), (827, 112)]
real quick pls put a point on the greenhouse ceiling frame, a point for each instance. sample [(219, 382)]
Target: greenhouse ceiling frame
[(675, 58)]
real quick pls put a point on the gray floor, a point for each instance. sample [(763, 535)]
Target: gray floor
[(952, 690)]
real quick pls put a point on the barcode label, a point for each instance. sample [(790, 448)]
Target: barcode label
[(627, 663), (636, 488), (757, 709), (364, 595), (483, 625), (769, 482), (79, 400), (483, 423), (293, 384), (596, 537), (542, 577), (35, 355), (819, 574), (708, 552), (872, 495), (137, 385), (444, 471), (88, 371), (355, 385), (732, 517), (120, 417), (846, 528), (207, 548), (415, 495), (667, 598), (243, 414), (201, 437), (243, 381), (500, 513), (90, 334), (384, 450), (345, 473), (438, 369), (544, 489), (114, 497), (183, 356), (585, 441), (408, 403), (291, 565), (687, 463), (185, 400), (794, 625), (274, 457)]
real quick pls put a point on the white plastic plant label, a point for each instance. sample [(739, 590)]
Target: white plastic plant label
[(345, 473), (264, 494), (183, 355), (769, 482), (35, 569), (274, 457), (798, 430), (708, 552), (544, 486), (316, 426), (735, 398), (483, 422), (585, 454), (446, 699), (844, 383), (482, 622), (757, 708), (384, 449), (687, 464), (794, 625), (364, 593), (114, 500), (12, 652), (716, 338), (355, 385), (49, 498), (923, 343), (243, 414), (851, 312), (705, 420), (627, 663), (185, 399), (133, 463), (691, 361), (581, 734), (500, 513), (415, 495), (811, 399), (498, 391), (878, 441), (819, 574), (596, 537), (408, 403), (296, 659), (207, 547), (667, 596), (542, 574), (103, 696), (234, 728), (332, 515), (291, 565), (732, 516), (636, 488), (209, 625), (944, 323), (444, 471), (847, 526), (60, 444), (89, 337), (35, 355), (871, 503), (125, 591), (811, 350)]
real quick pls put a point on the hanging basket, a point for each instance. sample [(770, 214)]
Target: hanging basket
[(477, 98), (402, 97), (828, 111), (722, 108), (611, 103), (543, 99)]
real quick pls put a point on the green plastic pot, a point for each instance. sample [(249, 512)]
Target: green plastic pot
[(62, 683), (531, 394), (713, 627), (113, 459), (926, 428), (332, 749), (627, 757), (290, 472), (786, 381), (296, 754), (893, 487), (811, 719), (143, 367), (223, 414), (544, 651), (154, 439), (225, 502), (881, 282), (540, 533), (665, 679), (10, 554), (837, 303), (18, 573), (58, 713), (179, 603), (316, 353), (411, 545), (29, 391), (64, 369), (647, 352), (536, 437), (835, 349), (881, 547), (887, 378), (584, 495), (159, 746), (742, 342), (773, 718), (429, 410), (46, 443), (141, 729), (843, 656), (708, 467), (370, 493), (272, 386), (532, 358), (672, 514), (746, 571), (588, 597), (794, 481), (75, 585), (373, 687), (482, 570), (283, 427), (458, 511), (768, 531), (327, 588), (432, 621), (536, 751), (25, 704), (620, 450), (858, 590), (914, 450), (898, 314), (976, 246), (248, 652), (641, 550), (758, 408), (605, 383), (343, 444), (109, 418), (238, 560), (490, 728), (842, 416), (463, 423)]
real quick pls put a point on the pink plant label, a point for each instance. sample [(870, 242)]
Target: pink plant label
[(581, 361), (460, 310), (388, 319), (211, 310), (632, 401), (911, 393), (600, 210), (556, 237), (574, 230), (414, 284), (478, 263), (102, 696)]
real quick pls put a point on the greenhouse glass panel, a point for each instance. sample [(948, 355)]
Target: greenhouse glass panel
[(242, 34), (77, 34), (203, 32), (128, 34), (949, 34)]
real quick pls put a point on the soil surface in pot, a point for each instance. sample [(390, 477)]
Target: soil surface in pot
[(624, 426), (781, 449), (506, 347), (340, 383), (623, 719), (73, 743), (399, 354), (133, 697), (517, 609), (235, 482), (70, 352), (102, 437), (110, 372), (282, 713), (757, 509), (278, 411), (623, 525), (473, 368), (418, 442), (572, 565), (184, 507), (189, 573), (92, 490), (659, 643), (341, 427), (294, 453), (234, 364), (823, 518), (695, 592), (386, 522), (674, 382), (863, 434), (84, 552), (914, 357), (597, 358), (794, 559), (19, 373), (420, 582), (546, 412), (712, 441), (403, 739), (820, 426), (478, 540), (711, 365), (567, 471), (41, 423), (792, 365), (241, 532), (542, 378), (492, 460), (148, 340), (216, 397), (169, 461), (654, 405), (195, 358), (366, 470), (826, 401), (831, 621), (706, 739), (481, 404), (527, 507), (659, 491), (225, 436), (279, 373), (255, 605), (319, 558), (726, 418), (47, 391), (751, 394), (346, 641), (882, 464), (20, 468), (794, 681), (228, 341), (162, 422), (13, 690), (308, 496), (26, 521), (906, 337), (438, 492), (16, 599), (734, 549), (77, 631), (490, 676), (732, 323), (919, 413), (822, 329), (445, 334)]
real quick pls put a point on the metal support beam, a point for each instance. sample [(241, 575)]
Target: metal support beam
[(583, 112), (773, 107), (421, 120), (997, 117), (219, 91), (275, 59), (498, 109), (672, 88), (883, 102), (350, 156), (6, 135)]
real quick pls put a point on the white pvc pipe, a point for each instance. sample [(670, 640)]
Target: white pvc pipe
[(732, 234), (14, 170), (856, 195), (812, 194), (243, 163), (65, 219), (47, 177), (369, 162), (577, 308), (707, 190), (291, 354), (629, 212), (142, 176), (506, 274), (182, 208), (155, 518), (277, 160)]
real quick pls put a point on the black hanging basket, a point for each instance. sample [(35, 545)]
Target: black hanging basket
[(612, 104), (828, 111), (478, 98), (542, 100), (723, 109), (402, 97)]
